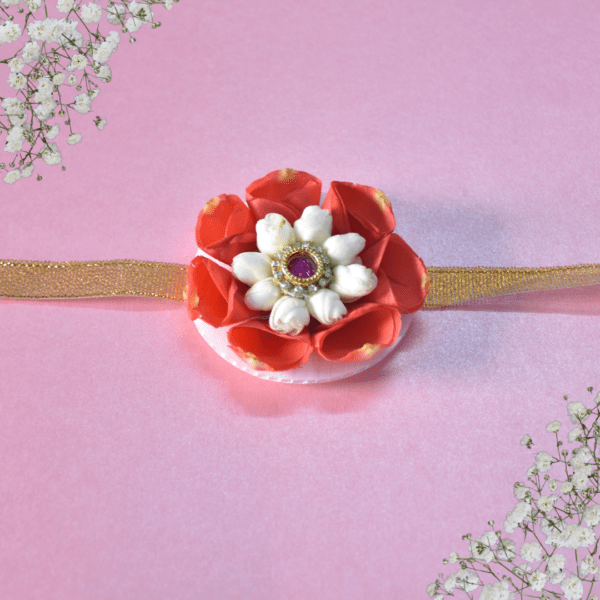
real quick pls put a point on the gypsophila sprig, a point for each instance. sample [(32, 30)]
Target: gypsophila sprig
[(548, 545), (54, 55)]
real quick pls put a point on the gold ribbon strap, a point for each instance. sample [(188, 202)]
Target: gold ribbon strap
[(455, 285), (25, 279), (449, 285)]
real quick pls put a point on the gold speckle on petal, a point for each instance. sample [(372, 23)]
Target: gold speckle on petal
[(381, 200), (211, 205), (369, 350), (426, 283), (193, 301), (287, 175), (185, 293), (253, 361)]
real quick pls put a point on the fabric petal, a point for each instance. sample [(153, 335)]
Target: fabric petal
[(364, 331), (225, 228), (405, 271), (360, 209), (287, 192), (264, 349), (214, 295)]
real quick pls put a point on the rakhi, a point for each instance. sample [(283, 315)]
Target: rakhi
[(288, 290)]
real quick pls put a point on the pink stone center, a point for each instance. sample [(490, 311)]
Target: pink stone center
[(302, 265)]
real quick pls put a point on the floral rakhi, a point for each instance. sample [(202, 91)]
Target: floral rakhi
[(333, 280)]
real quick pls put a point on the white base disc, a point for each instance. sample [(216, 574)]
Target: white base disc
[(316, 370)]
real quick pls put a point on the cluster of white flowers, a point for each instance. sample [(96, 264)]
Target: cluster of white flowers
[(549, 521), (50, 57)]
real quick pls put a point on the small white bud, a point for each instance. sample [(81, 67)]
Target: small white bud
[(326, 306), (273, 233), (353, 282), (314, 225), (289, 315), (250, 267), (342, 249), (263, 295)]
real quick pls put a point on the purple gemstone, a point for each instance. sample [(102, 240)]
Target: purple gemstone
[(302, 265)]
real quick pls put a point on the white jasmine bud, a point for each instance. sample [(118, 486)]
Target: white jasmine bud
[(353, 282), (342, 249), (263, 295), (314, 225), (251, 267), (289, 315), (273, 233), (326, 306)]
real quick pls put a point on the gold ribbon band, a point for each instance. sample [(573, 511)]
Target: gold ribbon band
[(26, 279), (449, 285)]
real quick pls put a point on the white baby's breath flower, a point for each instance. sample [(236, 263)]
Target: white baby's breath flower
[(555, 577), (91, 13), (543, 461), (12, 176), (580, 480), (480, 551), (273, 234), (52, 132), (506, 549), (531, 551), (526, 440), (588, 566), (78, 62), (289, 316), (74, 138), (453, 557), (132, 24), (16, 65), (553, 485), (58, 79), (520, 490), (83, 104), (10, 32), (104, 73), (314, 225), (31, 52), (100, 124), (566, 487), (581, 457), (17, 81), (72, 80), (546, 503), (27, 171), (553, 427), (44, 110), (168, 4), (51, 154), (577, 412), (537, 581), (33, 5), (556, 562), (572, 588), (591, 515), (114, 14), (496, 591), (65, 6)]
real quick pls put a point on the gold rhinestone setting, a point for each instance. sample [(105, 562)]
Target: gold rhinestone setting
[(301, 287)]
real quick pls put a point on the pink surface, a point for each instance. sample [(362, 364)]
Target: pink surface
[(138, 464)]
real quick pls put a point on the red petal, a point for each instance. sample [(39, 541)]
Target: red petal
[(360, 209), (286, 192), (265, 350), (214, 295), (364, 331), (226, 227)]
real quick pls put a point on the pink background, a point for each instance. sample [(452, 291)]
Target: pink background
[(138, 464)]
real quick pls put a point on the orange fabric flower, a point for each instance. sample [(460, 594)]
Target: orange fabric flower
[(266, 350), (225, 228), (364, 331), (214, 295), (286, 192)]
